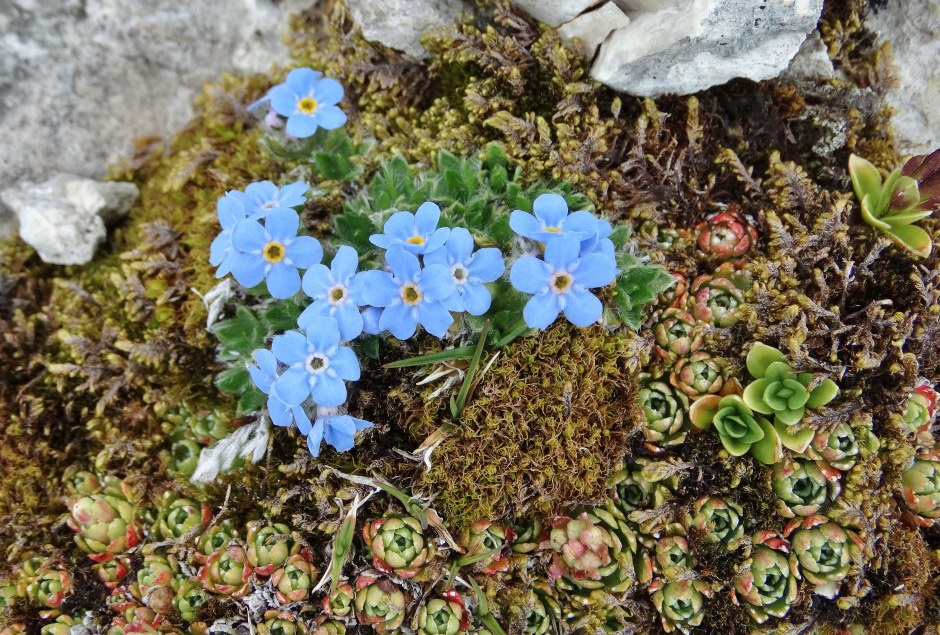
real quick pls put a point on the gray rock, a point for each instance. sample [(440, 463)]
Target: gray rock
[(555, 12), (79, 79), (695, 44), (399, 24), (811, 62), (913, 28), (65, 217), (593, 27)]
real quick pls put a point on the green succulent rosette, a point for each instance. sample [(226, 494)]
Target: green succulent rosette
[(543, 612), (665, 413), (339, 602), (78, 483), (270, 545), (294, 579), (179, 515), (184, 457), (714, 299), (680, 604), (380, 603), (822, 552), (483, 544), (330, 627), (672, 557), (528, 535), (107, 524), (698, 374), (767, 585), (677, 334), (62, 626), (189, 599), (112, 572), (630, 491), (837, 450), (446, 615), (801, 488), (921, 482), (276, 622), (919, 411), (227, 572), (157, 571), (739, 428), (50, 587), (398, 545), (719, 520), (786, 395), (215, 538)]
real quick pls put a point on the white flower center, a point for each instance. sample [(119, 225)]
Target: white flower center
[(561, 282), (317, 363), (337, 294), (460, 274)]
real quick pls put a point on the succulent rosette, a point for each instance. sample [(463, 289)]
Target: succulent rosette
[(698, 374), (292, 581), (339, 602), (107, 524), (184, 457), (766, 585), (179, 515), (672, 556), (112, 572), (922, 488), (822, 552), (719, 520), (780, 392), (227, 572), (330, 627), (380, 603), (919, 411), (50, 587), (715, 300), (677, 335), (62, 626), (529, 535), (838, 449), (801, 488), (630, 491), (215, 538), (80, 483), (665, 412), (483, 544), (543, 612), (680, 603), (398, 545), (445, 615), (157, 571), (189, 599), (281, 623), (269, 546), (739, 428), (676, 296), (725, 235), (9, 593)]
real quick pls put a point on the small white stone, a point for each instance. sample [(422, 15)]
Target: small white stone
[(812, 62), (555, 12), (64, 218), (593, 27), (399, 24)]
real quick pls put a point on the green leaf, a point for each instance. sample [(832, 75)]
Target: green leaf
[(620, 236), (240, 335), (822, 394), (768, 450), (500, 231), (495, 156), (250, 400), (464, 352), (865, 177), (797, 441), (354, 229), (760, 357), (282, 316), (367, 346), (234, 380), (914, 238), (887, 191)]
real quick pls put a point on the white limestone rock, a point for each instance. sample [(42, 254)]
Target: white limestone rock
[(812, 62), (65, 217), (692, 45), (399, 24), (555, 12), (593, 27), (913, 28)]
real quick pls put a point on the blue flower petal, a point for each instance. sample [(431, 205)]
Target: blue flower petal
[(266, 361), (330, 117), (292, 192), (302, 420), (301, 126), (525, 224), (248, 269), (438, 257), (582, 223), (403, 264), (487, 264), (362, 424), (283, 100), (345, 363), (327, 91), (460, 244), (279, 412), (220, 248), (282, 224), (427, 217), (377, 288), (529, 275), (311, 316), (249, 236), (315, 437), (317, 281), (230, 210), (304, 251), (225, 267), (324, 337), (382, 241), (435, 241), (339, 432), (595, 270), (541, 310), (399, 320), (329, 391), (350, 321), (260, 379), (476, 298), (434, 318), (261, 192), (371, 317), (551, 209), (437, 283), (454, 302), (562, 251), (290, 348), (345, 263), (302, 80), (400, 225), (283, 281), (582, 308), (293, 386)]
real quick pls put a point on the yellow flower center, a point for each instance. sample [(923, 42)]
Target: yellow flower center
[(337, 294), (561, 282), (410, 294), (307, 105), (416, 240), (553, 230), (273, 252)]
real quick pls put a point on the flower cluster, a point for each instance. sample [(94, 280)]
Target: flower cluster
[(307, 101)]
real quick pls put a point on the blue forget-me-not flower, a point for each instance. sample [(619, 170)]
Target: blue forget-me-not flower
[(308, 100), (469, 271), (552, 219), (273, 252), (337, 430), (335, 291), (561, 282), (264, 374), (410, 295), (264, 197), (417, 233), (317, 365), (221, 253)]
